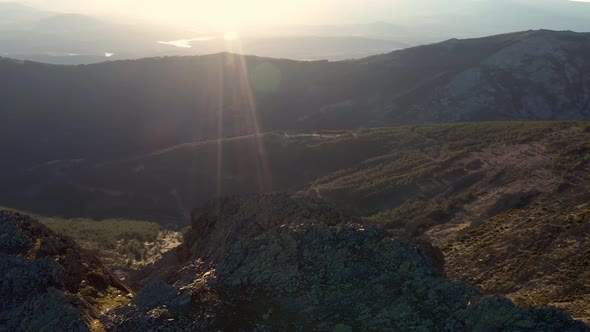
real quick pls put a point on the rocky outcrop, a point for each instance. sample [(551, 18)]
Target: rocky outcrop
[(48, 282), (277, 263)]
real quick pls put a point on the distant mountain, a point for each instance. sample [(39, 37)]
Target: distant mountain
[(479, 18), (375, 30), (62, 38), (17, 16), (28, 33)]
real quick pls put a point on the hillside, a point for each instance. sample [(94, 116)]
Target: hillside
[(115, 109), (497, 198), (369, 171)]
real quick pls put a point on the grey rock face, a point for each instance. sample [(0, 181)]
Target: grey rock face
[(540, 75), (276, 263)]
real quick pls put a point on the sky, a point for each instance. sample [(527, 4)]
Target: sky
[(240, 12), (221, 11)]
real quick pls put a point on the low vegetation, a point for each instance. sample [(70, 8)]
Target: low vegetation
[(108, 233)]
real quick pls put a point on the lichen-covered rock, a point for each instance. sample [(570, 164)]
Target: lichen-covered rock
[(43, 278), (276, 263)]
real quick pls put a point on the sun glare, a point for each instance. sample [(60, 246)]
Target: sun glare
[(229, 36), (214, 13)]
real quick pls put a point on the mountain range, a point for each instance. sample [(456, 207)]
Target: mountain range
[(27, 33), (30, 33)]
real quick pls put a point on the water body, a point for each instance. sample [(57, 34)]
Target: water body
[(185, 43)]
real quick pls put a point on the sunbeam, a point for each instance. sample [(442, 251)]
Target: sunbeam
[(264, 176), (220, 104)]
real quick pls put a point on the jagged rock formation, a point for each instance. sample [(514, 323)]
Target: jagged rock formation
[(275, 263), (48, 283)]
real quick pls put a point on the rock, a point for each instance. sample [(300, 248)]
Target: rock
[(272, 262), (42, 274), (433, 254)]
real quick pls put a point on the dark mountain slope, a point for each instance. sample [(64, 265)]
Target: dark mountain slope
[(114, 109)]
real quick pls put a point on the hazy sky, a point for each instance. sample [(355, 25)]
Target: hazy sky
[(222, 11), (236, 12)]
